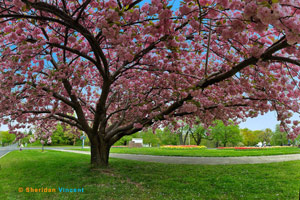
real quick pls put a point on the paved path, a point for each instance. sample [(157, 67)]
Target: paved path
[(200, 160), (7, 149)]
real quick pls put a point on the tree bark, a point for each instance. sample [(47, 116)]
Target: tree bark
[(180, 138), (185, 137), (198, 142), (99, 152)]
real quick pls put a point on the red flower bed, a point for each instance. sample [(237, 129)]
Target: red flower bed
[(242, 148)]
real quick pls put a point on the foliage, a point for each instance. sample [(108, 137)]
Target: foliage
[(265, 135), (225, 135), (198, 133), (6, 138), (149, 137), (279, 137), (166, 136), (124, 140), (250, 138)]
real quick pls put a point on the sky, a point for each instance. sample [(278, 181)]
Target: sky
[(261, 122)]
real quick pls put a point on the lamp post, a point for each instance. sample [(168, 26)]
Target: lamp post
[(83, 138)]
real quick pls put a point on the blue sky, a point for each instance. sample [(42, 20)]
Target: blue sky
[(262, 122), (268, 120)]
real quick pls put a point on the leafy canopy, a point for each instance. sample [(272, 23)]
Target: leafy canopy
[(123, 65)]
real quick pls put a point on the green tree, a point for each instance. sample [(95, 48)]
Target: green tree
[(124, 140), (167, 137), (183, 133), (58, 135), (278, 137), (199, 133), (250, 138), (149, 137), (226, 134), (7, 138), (265, 136)]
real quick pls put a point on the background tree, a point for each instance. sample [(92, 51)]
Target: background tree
[(250, 138), (58, 136), (279, 137), (199, 133), (6, 138), (124, 141), (226, 134), (148, 137), (183, 133), (265, 135), (122, 66), (167, 137)]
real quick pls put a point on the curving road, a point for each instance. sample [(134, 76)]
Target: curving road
[(200, 160)]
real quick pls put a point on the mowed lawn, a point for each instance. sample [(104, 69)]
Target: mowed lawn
[(203, 152), (139, 180)]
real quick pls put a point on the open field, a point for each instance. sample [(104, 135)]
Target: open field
[(138, 180), (203, 152)]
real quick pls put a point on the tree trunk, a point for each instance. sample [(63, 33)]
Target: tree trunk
[(180, 139), (99, 152), (198, 142), (185, 137)]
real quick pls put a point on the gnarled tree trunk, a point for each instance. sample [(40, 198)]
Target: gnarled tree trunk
[(99, 152)]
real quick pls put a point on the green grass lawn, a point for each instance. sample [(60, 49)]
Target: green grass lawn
[(202, 152), (40, 146), (140, 180)]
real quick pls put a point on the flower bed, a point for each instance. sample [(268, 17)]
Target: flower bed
[(254, 148), (226, 148), (183, 147)]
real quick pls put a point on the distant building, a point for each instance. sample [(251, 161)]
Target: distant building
[(136, 142)]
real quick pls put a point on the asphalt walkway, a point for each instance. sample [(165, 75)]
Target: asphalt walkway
[(199, 160), (7, 149)]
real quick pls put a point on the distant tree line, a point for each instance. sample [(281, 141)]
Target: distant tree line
[(216, 136), (219, 135)]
